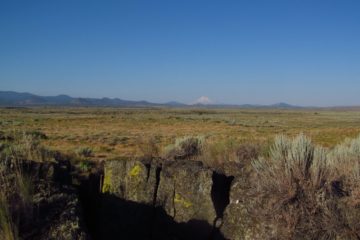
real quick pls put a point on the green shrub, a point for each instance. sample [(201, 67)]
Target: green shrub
[(84, 152), (37, 134), (84, 166)]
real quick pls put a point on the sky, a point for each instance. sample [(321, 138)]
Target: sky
[(303, 52)]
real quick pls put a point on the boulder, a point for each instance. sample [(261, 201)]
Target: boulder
[(132, 180), (163, 199), (176, 198), (238, 223), (185, 191)]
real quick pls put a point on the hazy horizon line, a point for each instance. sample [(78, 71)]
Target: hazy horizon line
[(192, 103)]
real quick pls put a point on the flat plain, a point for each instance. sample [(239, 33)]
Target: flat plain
[(114, 132)]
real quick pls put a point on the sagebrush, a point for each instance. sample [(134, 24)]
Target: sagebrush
[(308, 192)]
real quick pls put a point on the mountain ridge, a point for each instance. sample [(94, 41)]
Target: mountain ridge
[(25, 99)]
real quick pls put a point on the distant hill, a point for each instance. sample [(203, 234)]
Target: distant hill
[(284, 105), (175, 104), (9, 98), (16, 99), (277, 105)]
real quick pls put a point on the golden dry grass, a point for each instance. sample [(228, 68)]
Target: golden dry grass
[(116, 132)]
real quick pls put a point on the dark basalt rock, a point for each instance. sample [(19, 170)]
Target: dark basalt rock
[(184, 191), (130, 199), (238, 223), (165, 199), (133, 180), (54, 210)]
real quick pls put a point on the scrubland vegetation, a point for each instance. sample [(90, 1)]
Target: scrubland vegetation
[(26, 176), (301, 185), (16, 196), (111, 132), (306, 190), (300, 190)]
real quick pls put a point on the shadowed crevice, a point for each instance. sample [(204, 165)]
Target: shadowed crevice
[(220, 192), (158, 172)]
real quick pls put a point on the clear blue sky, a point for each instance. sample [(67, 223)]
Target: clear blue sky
[(304, 52)]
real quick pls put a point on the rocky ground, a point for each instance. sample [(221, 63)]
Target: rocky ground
[(54, 211), (127, 199), (175, 200)]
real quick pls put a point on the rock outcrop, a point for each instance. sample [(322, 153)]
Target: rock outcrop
[(237, 221), (130, 199), (185, 200), (131, 180), (184, 191), (50, 209)]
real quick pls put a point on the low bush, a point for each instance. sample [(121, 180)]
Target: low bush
[(25, 146), (37, 134), (308, 192), (84, 152), (216, 154), (148, 147), (246, 152), (185, 148), (84, 166)]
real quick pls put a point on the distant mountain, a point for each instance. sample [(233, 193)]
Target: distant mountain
[(273, 106), (16, 99), (9, 98), (283, 105), (209, 104), (203, 100)]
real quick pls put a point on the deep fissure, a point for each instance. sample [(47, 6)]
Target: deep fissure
[(220, 192), (157, 176)]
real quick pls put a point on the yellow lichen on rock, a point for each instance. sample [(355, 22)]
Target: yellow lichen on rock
[(179, 199), (135, 171), (107, 180)]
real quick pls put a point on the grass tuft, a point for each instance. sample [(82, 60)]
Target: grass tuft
[(8, 230)]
